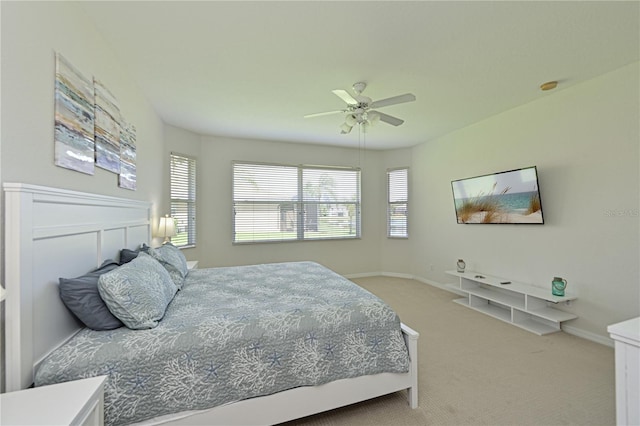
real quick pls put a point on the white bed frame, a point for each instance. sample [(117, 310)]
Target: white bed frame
[(52, 233)]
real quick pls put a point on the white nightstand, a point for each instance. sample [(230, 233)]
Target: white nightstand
[(79, 402), (192, 264)]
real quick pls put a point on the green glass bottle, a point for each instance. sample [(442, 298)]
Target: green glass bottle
[(558, 285)]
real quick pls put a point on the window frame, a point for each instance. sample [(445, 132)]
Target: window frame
[(189, 203), (299, 203), (390, 203)]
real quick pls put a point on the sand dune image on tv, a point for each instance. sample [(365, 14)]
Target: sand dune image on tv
[(509, 197)]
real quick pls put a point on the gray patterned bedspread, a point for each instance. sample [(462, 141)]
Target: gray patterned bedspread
[(235, 333)]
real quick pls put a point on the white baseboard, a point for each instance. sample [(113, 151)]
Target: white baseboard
[(603, 340), (363, 275), (398, 275), (381, 274), (588, 335)]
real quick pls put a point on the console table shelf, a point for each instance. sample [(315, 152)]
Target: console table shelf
[(519, 304)]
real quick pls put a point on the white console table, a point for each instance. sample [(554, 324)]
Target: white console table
[(626, 336), (522, 305)]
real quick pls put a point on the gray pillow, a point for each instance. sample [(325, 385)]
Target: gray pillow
[(127, 255), (173, 260), (82, 298), (138, 292)]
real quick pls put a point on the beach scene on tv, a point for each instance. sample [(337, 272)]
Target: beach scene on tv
[(506, 197)]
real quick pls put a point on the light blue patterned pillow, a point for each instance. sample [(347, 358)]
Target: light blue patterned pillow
[(173, 260), (138, 292)]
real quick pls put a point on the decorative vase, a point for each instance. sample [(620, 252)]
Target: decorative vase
[(461, 265), (558, 285)]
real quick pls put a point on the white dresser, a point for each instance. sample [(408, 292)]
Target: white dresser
[(79, 402), (626, 336)]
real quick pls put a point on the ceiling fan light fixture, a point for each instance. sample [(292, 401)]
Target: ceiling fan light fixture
[(373, 117), (350, 120), (345, 128)]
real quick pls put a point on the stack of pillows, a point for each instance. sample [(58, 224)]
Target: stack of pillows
[(134, 292)]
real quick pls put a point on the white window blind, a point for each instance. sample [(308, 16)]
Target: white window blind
[(398, 202), (287, 203), (183, 199)]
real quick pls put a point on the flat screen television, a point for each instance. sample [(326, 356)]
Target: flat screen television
[(511, 197)]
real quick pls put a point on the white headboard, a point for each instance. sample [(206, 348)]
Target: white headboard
[(52, 233)]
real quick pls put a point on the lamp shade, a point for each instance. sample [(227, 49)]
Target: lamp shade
[(167, 228)]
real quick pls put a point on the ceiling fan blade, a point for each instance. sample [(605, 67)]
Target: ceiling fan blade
[(345, 96), (320, 114), (394, 121), (407, 97)]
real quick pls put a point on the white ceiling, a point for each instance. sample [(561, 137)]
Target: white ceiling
[(254, 69)]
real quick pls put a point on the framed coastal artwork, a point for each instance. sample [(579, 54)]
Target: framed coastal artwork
[(89, 128), (74, 145), (107, 128), (127, 176)]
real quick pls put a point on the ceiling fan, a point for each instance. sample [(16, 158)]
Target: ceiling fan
[(361, 110)]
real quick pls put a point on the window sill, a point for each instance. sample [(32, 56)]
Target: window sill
[(187, 246)]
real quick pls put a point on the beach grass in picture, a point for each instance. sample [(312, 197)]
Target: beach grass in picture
[(505, 197), (107, 128), (74, 119)]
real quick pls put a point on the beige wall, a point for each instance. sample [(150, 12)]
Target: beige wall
[(32, 32), (584, 141)]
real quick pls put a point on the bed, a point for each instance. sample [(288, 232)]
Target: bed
[(52, 233)]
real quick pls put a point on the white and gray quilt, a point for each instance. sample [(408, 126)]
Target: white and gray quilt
[(235, 333)]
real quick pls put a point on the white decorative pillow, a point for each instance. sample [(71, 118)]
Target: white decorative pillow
[(173, 260), (138, 292)]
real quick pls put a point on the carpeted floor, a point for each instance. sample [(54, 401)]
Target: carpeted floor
[(476, 370)]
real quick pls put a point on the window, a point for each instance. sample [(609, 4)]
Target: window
[(183, 199), (274, 202), (398, 202)]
